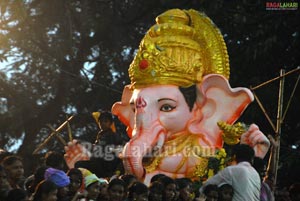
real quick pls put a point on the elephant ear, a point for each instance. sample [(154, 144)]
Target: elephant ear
[(217, 101), (123, 110)]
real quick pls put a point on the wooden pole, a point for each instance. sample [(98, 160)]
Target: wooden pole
[(275, 141), (55, 132), (279, 122), (276, 78), (275, 150)]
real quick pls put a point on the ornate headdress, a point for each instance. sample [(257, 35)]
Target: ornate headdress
[(182, 47)]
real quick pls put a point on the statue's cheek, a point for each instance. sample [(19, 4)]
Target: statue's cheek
[(176, 121)]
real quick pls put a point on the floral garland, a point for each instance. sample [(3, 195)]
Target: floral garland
[(216, 163)]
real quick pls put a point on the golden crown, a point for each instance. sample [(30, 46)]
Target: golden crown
[(182, 47)]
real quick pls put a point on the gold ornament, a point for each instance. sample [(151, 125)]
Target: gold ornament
[(187, 145), (232, 133), (182, 47)]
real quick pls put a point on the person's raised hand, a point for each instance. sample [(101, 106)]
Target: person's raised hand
[(257, 140), (74, 151)]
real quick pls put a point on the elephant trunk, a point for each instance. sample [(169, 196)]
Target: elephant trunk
[(142, 144)]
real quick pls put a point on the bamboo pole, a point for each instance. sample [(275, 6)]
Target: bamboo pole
[(275, 150), (276, 78), (275, 141), (264, 110), (57, 135), (52, 135), (69, 131), (279, 122)]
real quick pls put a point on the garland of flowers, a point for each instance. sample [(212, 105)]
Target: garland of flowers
[(216, 163)]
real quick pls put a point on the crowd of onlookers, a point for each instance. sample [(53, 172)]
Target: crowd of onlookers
[(52, 182)]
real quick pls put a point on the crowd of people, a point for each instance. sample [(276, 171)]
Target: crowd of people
[(88, 181), (52, 181)]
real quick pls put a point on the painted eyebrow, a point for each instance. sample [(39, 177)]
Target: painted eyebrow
[(168, 99)]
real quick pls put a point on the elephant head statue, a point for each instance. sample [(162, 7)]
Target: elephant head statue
[(179, 91)]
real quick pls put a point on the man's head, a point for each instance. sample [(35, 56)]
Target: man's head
[(105, 120), (225, 192), (243, 152), (55, 160), (211, 192), (13, 166)]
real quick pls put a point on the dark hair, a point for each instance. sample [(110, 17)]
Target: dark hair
[(115, 182), (44, 187), (183, 182), (75, 171), (225, 186), (38, 177), (106, 115), (127, 178), (243, 152), (137, 188), (209, 188), (16, 195), (156, 186), (189, 94), (165, 180), (54, 159), (156, 177), (8, 160), (4, 154), (40, 172), (259, 164)]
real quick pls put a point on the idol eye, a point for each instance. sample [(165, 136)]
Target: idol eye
[(167, 108)]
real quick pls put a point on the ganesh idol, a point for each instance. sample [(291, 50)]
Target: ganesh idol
[(178, 94)]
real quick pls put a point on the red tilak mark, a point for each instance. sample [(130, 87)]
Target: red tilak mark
[(140, 102)]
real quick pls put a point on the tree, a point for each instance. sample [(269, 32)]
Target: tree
[(71, 57)]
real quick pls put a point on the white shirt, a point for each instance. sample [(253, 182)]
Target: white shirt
[(242, 177)]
